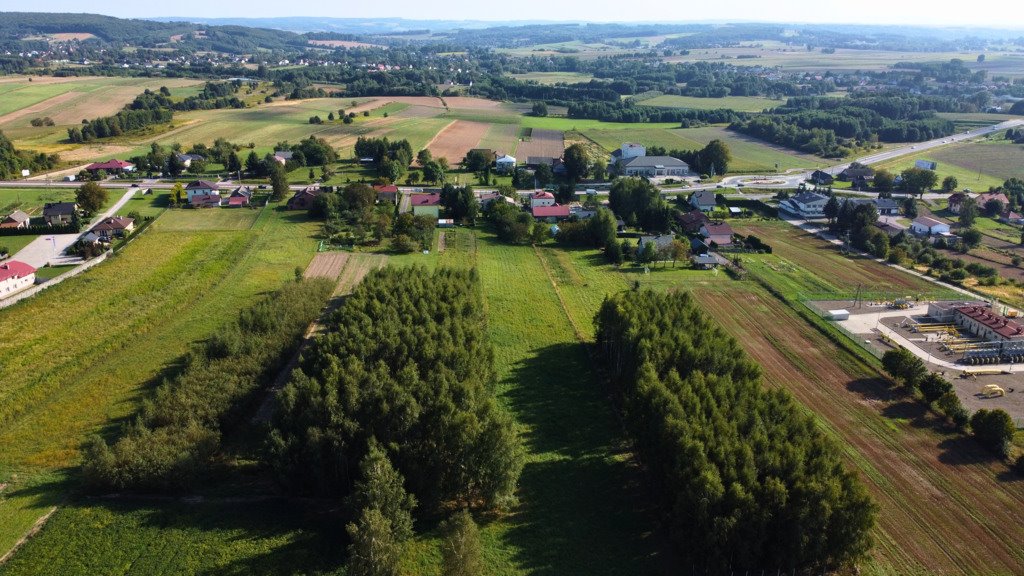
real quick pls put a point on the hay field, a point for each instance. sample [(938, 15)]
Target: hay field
[(457, 139), (542, 142)]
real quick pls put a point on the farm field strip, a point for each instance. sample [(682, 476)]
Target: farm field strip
[(502, 138), (976, 165), (456, 139), (943, 507), (737, 103), (750, 154), (542, 142)]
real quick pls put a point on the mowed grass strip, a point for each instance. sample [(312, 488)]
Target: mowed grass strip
[(737, 103), (581, 509), (185, 220)]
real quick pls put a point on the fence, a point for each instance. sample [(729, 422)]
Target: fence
[(53, 281)]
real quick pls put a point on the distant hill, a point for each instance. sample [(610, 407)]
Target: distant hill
[(302, 24)]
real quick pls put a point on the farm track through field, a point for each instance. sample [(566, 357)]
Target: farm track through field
[(945, 506), (349, 269), (456, 139)]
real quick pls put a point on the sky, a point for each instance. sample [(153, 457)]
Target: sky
[(993, 13)]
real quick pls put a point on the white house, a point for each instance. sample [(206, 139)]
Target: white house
[(15, 276), (201, 188), (505, 164), (541, 198), (806, 205), (626, 151), (925, 226)]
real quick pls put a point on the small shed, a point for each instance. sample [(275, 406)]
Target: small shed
[(840, 314)]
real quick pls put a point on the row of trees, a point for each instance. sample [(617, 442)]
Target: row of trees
[(406, 363), (173, 441), (745, 478), (13, 161), (993, 428)]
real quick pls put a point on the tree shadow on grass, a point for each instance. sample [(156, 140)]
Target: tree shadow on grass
[(584, 508)]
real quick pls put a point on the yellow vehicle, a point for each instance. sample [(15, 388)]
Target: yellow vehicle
[(993, 391)]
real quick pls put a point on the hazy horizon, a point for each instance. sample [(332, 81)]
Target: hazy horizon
[(868, 12)]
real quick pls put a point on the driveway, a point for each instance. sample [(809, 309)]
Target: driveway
[(49, 248)]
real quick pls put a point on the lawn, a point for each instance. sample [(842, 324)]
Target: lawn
[(84, 366), (738, 103), (185, 220), (15, 243), (996, 229), (977, 164)]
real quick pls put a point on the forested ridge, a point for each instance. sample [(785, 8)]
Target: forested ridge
[(745, 478), (406, 364)]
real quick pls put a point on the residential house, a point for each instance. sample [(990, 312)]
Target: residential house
[(579, 212), (718, 233), (653, 166), (851, 173), (186, 159), (883, 206), (485, 199), (703, 200), (541, 198), (925, 226), (708, 261), (558, 167), (987, 197), (956, 201), (661, 242), (15, 276), (535, 161), (891, 228), (1011, 217), (806, 205), (16, 219), (426, 204), (240, 197), (505, 164), (821, 178), (691, 221), (625, 152), (114, 227), (111, 166), (57, 213), (551, 213), (207, 190), (283, 156), (303, 199), (387, 194)]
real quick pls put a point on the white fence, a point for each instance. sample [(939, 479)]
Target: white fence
[(53, 281)]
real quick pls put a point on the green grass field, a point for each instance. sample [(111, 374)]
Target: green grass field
[(554, 77), (84, 366), (186, 220), (15, 243), (738, 103), (976, 164)]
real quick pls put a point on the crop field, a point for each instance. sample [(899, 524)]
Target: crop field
[(186, 220), (750, 154), (554, 77), (613, 139), (802, 262), (456, 139), (738, 103), (798, 59), (169, 537), (542, 142), (503, 138), (975, 164), (945, 506), (83, 366)]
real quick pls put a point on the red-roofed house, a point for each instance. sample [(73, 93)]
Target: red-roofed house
[(426, 204), (16, 219), (720, 233), (15, 276), (113, 227), (240, 197), (387, 194), (303, 199), (987, 197), (111, 166), (541, 198), (203, 193), (551, 213)]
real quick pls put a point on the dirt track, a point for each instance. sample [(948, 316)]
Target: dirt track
[(945, 505), (326, 265), (456, 139)]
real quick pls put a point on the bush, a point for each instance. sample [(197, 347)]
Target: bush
[(994, 429)]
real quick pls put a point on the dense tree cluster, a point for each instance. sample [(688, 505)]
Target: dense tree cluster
[(629, 111), (835, 127), (13, 161), (744, 476), (391, 158), (174, 439), (147, 109), (514, 225), (407, 362), (598, 231), (460, 202), (639, 203)]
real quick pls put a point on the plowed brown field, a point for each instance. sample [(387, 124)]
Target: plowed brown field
[(456, 139), (945, 505)]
